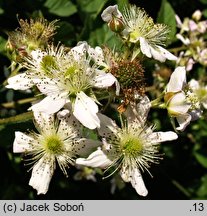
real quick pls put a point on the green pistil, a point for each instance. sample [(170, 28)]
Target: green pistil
[(54, 145), (48, 63), (132, 146), (70, 71)]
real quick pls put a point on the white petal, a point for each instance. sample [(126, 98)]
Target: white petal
[(109, 12), (134, 176), (48, 87), (138, 110), (194, 84), (97, 55), (183, 121), (167, 54), (84, 147), (108, 127), (106, 80), (20, 82), (41, 175), (138, 183), (79, 50), (157, 54), (145, 48), (68, 125), (186, 41), (96, 159), (21, 142), (44, 121), (177, 80), (178, 21), (49, 105), (158, 137), (177, 104), (85, 110)]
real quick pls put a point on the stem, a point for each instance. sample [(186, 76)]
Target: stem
[(17, 119), (177, 49), (156, 102), (181, 188), (19, 102)]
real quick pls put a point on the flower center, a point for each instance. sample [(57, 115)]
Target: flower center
[(53, 144), (48, 64), (132, 146)]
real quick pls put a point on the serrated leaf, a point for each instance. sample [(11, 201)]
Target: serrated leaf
[(61, 8), (166, 15)]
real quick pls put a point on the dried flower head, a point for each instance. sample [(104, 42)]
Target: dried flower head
[(31, 35)]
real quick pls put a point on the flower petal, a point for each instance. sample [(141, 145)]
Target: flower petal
[(178, 105), (96, 159), (109, 12), (49, 105), (85, 110), (105, 80), (108, 127), (20, 82), (41, 175), (134, 176), (183, 121), (166, 54), (158, 137), (44, 122), (145, 48), (84, 147), (177, 80), (22, 142), (68, 124), (48, 87)]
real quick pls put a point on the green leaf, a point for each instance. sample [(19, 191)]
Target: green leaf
[(61, 8), (2, 44), (201, 158), (203, 1), (1, 11), (166, 15), (92, 7), (105, 37), (64, 33)]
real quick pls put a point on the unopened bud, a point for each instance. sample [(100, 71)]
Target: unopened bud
[(197, 15), (116, 25)]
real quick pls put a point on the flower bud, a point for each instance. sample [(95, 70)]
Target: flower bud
[(197, 15), (116, 25)]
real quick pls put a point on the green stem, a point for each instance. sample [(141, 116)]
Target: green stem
[(181, 188), (17, 119), (177, 49), (19, 102)]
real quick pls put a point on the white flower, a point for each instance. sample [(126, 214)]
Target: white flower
[(130, 149), (57, 141), (68, 77), (181, 102), (110, 12), (200, 91), (141, 28)]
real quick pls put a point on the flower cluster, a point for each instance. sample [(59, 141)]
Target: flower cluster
[(83, 90), (192, 35)]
